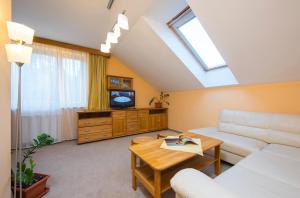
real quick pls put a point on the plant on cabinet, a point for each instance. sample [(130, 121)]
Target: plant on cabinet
[(163, 98)]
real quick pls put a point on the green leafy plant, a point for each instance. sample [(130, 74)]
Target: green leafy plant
[(163, 98), (25, 168)]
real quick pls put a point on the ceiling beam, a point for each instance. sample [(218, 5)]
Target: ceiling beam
[(69, 46)]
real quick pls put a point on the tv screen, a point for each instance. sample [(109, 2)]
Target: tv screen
[(122, 99)]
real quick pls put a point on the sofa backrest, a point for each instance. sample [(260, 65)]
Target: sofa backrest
[(269, 127)]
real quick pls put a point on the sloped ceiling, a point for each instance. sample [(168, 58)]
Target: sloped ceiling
[(259, 40), (144, 52)]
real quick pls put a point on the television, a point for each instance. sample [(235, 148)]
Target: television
[(121, 99)]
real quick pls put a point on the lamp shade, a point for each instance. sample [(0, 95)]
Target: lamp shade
[(18, 53), (111, 38), (104, 48), (108, 45), (20, 32), (123, 22), (117, 31)]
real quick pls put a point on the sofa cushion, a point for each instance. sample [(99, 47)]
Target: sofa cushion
[(283, 151), (235, 144), (274, 166), (269, 127), (249, 184)]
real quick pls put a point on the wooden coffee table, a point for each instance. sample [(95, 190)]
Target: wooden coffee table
[(160, 165)]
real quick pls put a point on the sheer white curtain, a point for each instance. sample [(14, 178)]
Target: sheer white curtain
[(54, 87)]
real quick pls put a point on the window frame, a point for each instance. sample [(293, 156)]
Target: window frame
[(174, 24)]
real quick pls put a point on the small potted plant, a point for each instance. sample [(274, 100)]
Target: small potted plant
[(33, 184), (163, 98)]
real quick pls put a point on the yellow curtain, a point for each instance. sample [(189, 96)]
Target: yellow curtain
[(98, 94)]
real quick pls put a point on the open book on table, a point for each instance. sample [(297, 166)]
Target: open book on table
[(183, 143), (179, 140)]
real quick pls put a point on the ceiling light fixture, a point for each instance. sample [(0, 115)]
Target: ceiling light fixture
[(117, 30), (123, 21), (105, 48), (112, 36)]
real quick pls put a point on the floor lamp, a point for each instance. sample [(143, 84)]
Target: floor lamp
[(17, 52)]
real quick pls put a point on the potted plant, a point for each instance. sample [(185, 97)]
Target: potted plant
[(33, 184), (163, 98)]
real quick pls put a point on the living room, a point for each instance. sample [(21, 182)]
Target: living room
[(95, 93)]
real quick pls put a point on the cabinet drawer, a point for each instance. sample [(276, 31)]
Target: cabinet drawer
[(83, 138), (94, 121), (119, 114), (95, 129)]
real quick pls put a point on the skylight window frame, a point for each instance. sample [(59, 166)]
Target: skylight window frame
[(179, 20)]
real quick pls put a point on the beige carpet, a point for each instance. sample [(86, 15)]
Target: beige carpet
[(94, 170)]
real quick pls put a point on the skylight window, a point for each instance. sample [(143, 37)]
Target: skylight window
[(194, 36)]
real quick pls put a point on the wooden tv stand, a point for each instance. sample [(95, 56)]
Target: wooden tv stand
[(106, 124)]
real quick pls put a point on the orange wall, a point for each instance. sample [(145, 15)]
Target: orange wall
[(200, 108), (144, 91), (5, 161)]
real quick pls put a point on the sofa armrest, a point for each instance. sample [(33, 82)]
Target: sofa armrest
[(190, 183)]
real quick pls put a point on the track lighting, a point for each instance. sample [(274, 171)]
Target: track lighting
[(112, 36)]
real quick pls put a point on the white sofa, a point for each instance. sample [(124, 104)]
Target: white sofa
[(265, 149), (246, 132)]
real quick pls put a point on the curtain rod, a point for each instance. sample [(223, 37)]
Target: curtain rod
[(69, 46)]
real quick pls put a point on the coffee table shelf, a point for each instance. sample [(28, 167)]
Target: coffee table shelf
[(145, 174)]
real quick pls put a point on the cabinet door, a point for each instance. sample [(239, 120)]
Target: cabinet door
[(119, 126), (143, 119), (164, 121), (151, 122), (119, 123), (157, 122), (114, 82), (132, 122)]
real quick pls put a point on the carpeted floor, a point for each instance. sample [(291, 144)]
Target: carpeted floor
[(94, 170)]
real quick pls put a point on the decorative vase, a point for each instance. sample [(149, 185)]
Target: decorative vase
[(36, 190), (158, 105)]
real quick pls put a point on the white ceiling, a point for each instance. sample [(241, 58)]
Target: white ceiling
[(259, 39), (82, 22)]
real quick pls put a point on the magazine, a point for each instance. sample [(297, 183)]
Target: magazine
[(179, 140)]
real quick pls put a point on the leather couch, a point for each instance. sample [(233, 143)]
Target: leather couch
[(265, 148)]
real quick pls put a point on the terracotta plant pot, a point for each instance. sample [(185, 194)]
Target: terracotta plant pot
[(158, 105), (36, 190)]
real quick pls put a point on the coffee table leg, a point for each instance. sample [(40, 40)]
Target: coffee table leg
[(157, 184), (133, 167), (218, 160)]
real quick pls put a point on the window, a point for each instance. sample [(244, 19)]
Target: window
[(55, 79), (191, 32)]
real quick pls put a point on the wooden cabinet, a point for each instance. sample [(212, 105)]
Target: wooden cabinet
[(119, 83), (93, 126), (119, 123), (158, 119)]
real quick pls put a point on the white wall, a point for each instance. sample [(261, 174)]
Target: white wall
[(5, 161)]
